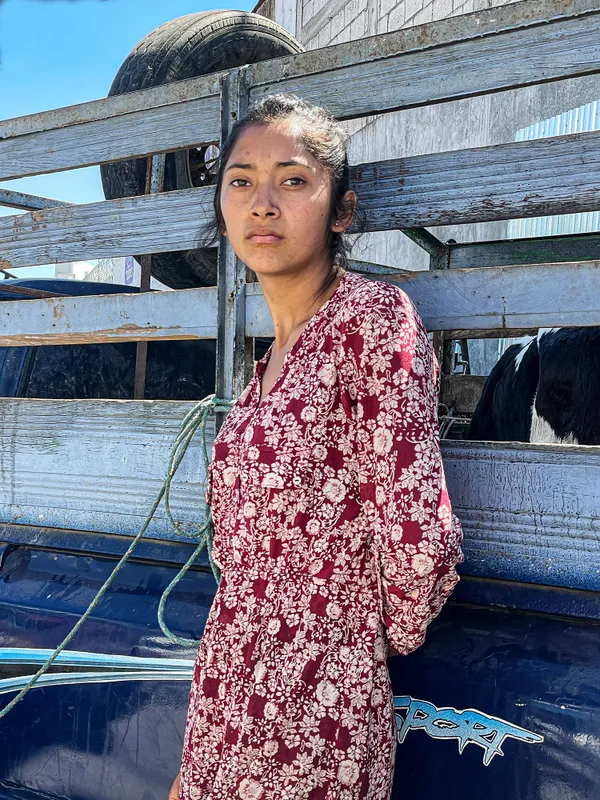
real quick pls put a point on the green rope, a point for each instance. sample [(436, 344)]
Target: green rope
[(194, 419)]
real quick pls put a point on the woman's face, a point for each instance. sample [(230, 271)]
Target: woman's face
[(272, 184)]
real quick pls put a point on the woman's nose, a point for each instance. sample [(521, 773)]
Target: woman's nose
[(263, 202)]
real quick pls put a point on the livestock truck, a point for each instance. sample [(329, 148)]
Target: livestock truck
[(503, 699)]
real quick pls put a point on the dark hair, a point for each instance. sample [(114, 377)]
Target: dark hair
[(325, 140)]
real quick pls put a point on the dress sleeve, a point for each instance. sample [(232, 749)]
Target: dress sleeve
[(416, 536)]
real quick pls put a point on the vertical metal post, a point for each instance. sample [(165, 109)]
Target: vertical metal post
[(234, 352), (155, 177), (440, 259)]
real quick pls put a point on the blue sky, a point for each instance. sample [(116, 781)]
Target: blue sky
[(57, 53)]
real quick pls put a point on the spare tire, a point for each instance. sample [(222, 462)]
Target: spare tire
[(196, 44)]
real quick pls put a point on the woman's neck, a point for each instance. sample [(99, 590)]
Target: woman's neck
[(289, 303)]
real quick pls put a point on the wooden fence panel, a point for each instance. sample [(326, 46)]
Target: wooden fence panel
[(518, 179), (418, 66), (530, 512), (152, 130), (530, 42), (495, 300)]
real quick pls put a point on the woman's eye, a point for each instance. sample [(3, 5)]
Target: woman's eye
[(235, 181)]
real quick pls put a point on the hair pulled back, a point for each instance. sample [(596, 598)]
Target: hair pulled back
[(325, 139)]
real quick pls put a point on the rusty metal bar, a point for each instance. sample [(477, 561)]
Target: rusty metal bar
[(28, 202), (155, 178), (25, 290), (438, 251)]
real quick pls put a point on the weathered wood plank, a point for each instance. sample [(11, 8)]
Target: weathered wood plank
[(113, 457), (184, 314), (135, 225), (558, 175), (529, 512), (206, 86), (417, 66), (518, 179), (499, 300), (151, 130), (532, 250), (495, 299)]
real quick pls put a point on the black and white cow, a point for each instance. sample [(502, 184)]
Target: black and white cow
[(544, 390)]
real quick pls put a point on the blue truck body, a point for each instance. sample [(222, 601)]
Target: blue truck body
[(502, 701)]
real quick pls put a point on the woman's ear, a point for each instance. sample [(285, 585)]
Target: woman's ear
[(345, 219)]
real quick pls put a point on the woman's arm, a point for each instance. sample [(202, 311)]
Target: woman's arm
[(174, 793), (416, 537)]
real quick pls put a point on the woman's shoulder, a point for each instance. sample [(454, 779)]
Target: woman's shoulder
[(376, 302)]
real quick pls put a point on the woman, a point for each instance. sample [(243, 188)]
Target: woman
[(333, 528)]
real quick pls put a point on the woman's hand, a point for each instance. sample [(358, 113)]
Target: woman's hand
[(174, 793)]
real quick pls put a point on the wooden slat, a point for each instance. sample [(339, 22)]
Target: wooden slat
[(137, 225), (529, 512), (151, 130), (532, 250), (206, 86), (558, 175), (543, 296), (519, 179), (522, 44), (113, 457), (184, 314), (499, 300), (496, 300)]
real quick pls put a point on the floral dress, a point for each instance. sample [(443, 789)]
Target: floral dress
[(335, 537)]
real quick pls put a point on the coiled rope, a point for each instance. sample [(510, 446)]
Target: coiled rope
[(195, 419)]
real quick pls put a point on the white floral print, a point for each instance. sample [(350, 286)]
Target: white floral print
[(335, 537)]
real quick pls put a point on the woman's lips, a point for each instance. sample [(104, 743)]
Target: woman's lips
[(264, 238)]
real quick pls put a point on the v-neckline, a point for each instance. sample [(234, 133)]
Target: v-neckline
[(261, 365)]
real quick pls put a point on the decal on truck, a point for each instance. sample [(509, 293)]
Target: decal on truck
[(469, 726)]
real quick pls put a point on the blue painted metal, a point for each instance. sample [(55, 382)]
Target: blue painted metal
[(60, 539), (515, 670)]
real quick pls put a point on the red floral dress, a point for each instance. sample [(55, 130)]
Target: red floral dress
[(335, 536)]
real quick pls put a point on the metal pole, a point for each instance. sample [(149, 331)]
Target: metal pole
[(28, 202), (235, 353), (155, 177)]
